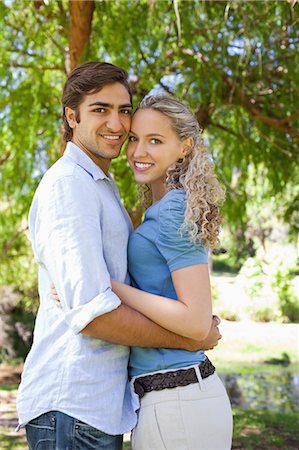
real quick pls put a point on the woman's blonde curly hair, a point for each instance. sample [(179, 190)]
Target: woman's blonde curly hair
[(194, 173)]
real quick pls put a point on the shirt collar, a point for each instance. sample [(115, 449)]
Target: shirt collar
[(76, 154)]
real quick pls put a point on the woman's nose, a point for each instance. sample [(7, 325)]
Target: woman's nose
[(139, 150)]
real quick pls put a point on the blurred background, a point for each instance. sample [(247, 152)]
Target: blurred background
[(236, 64)]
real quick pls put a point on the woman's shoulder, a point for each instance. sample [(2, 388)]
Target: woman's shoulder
[(172, 211), (173, 201), (173, 241)]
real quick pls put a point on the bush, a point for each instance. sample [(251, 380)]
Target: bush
[(262, 305), (288, 302)]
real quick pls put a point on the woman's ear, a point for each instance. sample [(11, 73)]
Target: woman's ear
[(187, 146)]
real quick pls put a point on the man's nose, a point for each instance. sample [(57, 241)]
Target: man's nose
[(114, 123)]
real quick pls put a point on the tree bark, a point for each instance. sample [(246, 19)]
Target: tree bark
[(81, 13)]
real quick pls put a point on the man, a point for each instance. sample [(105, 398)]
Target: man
[(74, 391)]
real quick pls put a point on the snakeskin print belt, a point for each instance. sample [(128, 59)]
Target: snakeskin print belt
[(168, 380)]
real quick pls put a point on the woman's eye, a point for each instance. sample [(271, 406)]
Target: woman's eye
[(155, 141), (132, 139)]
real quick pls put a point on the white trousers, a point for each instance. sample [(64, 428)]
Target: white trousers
[(193, 417)]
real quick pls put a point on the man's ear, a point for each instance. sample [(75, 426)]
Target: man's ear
[(187, 146), (70, 115)]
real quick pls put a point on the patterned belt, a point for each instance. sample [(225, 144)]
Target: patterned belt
[(168, 380)]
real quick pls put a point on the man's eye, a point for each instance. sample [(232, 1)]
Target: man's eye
[(132, 139), (127, 112), (100, 110)]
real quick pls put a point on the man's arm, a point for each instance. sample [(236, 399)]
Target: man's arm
[(128, 327), (74, 257), (189, 316)]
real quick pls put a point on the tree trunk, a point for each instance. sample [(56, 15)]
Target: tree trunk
[(81, 13)]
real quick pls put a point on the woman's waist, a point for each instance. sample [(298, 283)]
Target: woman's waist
[(147, 360)]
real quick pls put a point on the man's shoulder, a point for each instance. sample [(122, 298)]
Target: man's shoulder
[(64, 168)]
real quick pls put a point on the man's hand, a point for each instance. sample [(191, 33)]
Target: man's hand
[(209, 342)]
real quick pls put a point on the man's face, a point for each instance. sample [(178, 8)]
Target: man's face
[(105, 120)]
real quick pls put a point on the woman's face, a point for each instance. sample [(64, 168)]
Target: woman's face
[(153, 146)]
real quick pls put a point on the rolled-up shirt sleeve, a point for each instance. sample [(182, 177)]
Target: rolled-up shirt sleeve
[(68, 243)]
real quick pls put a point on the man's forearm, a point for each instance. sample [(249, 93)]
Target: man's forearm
[(128, 327)]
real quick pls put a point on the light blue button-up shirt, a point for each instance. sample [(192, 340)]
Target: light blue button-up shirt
[(79, 232)]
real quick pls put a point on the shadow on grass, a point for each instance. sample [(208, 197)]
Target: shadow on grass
[(263, 430)]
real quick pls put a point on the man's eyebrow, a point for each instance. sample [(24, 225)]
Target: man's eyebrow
[(109, 105)]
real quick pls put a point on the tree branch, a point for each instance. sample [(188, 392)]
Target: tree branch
[(149, 65), (178, 20), (273, 144), (278, 123), (81, 13), (31, 66), (4, 158), (227, 130), (166, 88), (8, 244)]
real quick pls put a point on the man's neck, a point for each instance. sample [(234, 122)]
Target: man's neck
[(103, 164)]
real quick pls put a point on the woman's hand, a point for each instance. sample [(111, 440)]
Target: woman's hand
[(54, 296), (210, 341)]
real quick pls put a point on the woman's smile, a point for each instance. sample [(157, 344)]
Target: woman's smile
[(142, 166)]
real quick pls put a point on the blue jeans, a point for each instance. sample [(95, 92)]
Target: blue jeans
[(57, 431)]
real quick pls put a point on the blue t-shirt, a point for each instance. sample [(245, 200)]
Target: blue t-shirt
[(157, 248)]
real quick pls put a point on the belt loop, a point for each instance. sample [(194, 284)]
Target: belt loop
[(199, 378)]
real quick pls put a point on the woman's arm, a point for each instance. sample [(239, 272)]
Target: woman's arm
[(190, 316)]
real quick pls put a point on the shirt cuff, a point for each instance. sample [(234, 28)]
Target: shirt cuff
[(81, 316)]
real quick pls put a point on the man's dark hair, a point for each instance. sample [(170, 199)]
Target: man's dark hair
[(89, 78)]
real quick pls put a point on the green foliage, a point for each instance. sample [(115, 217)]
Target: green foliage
[(222, 263), (235, 63), (261, 305), (288, 301), (270, 286)]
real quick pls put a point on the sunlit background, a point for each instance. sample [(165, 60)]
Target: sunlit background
[(236, 64)]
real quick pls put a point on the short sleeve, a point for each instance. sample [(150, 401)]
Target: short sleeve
[(176, 247)]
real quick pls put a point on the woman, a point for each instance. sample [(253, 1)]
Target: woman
[(183, 403)]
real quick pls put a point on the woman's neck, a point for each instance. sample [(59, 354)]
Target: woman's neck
[(158, 190)]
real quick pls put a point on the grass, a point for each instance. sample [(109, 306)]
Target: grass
[(249, 343), (10, 441), (263, 430)]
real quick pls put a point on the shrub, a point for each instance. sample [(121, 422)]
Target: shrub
[(288, 302)]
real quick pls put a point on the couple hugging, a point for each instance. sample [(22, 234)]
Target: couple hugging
[(119, 340)]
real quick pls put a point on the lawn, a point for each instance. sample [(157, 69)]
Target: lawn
[(248, 344)]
